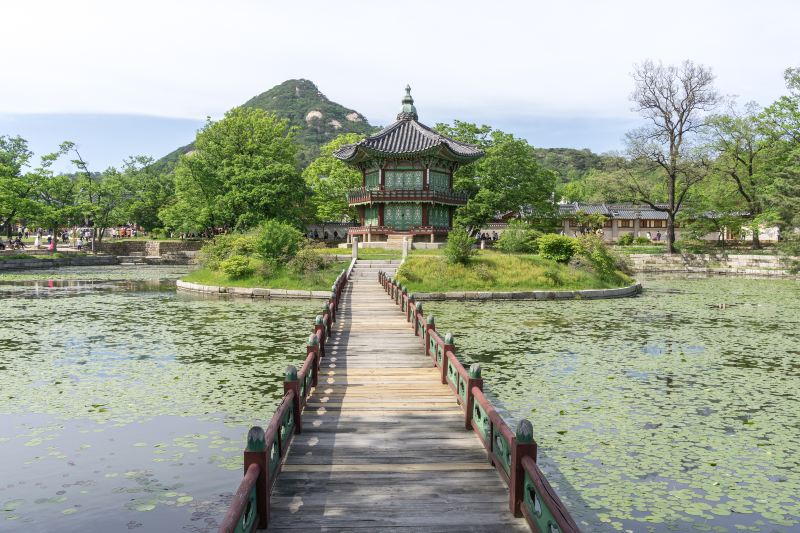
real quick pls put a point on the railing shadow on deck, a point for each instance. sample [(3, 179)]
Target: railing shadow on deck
[(266, 449), (513, 454)]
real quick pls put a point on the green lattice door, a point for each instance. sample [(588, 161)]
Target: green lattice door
[(402, 216)]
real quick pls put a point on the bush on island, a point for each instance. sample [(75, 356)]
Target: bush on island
[(222, 247), (625, 240), (278, 241), (459, 246), (237, 267), (559, 248), (519, 238)]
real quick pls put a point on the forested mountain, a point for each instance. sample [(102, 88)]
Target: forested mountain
[(569, 163), (317, 119)]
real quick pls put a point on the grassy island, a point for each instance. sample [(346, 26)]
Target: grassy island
[(495, 271), (281, 278)]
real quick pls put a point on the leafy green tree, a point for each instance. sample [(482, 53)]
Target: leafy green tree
[(244, 170), (590, 222), (150, 191), (507, 179), (17, 187), (780, 123), (740, 147), (329, 179), (56, 196)]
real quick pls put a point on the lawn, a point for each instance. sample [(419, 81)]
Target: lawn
[(495, 271), (363, 253), (282, 279)]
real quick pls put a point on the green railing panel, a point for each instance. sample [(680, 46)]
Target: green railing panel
[(432, 345), (482, 421), (452, 374), (502, 450), (439, 353), (287, 425), (274, 455), (462, 389), (538, 511), (247, 521)]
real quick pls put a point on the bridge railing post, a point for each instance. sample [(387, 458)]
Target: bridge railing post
[(475, 380), (449, 346), (419, 320), (291, 382), (312, 347), (430, 327), (411, 308), (319, 331), (256, 453), (522, 445)]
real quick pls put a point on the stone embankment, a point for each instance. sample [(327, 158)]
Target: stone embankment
[(48, 262), (151, 252), (243, 292), (750, 265), (588, 294)]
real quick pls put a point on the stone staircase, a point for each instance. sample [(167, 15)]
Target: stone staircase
[(366, 270), (395, 241), (136, 258)]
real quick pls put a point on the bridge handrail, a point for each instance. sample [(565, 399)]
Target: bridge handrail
[(265, 451), (512, 453)]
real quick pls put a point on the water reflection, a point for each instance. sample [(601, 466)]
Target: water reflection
[(670, 411)]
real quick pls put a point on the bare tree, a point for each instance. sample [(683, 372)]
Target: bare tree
[(675, 100)]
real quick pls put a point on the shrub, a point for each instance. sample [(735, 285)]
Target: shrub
[(557, 247), (236, 267), (625, 240), (224, 246), (278, 241), (595, 251), (266, 269), (519, 238), (459, 247), (641, 240), (553, 277), (307, 260)]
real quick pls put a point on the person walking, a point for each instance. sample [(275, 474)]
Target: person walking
[(36, 241)]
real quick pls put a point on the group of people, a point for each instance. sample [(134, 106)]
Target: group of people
[(485, 236)]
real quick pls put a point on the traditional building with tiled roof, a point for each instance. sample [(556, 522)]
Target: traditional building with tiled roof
[(407, 180)]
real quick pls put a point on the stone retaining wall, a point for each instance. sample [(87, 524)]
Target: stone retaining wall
[(752, 265), (251, 292), (147, 247), (86, 260), (591, 294)]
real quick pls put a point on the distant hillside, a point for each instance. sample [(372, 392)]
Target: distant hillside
[(569, 163), (318, 120)]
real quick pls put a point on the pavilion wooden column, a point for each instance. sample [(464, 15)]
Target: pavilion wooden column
[(380, 214), (424, 214)]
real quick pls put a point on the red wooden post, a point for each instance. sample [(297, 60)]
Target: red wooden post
[(474, 380), (313, 347), (319, 330), (291, 382), (256, 453), (430, 327), (449, 346), (521, 446)]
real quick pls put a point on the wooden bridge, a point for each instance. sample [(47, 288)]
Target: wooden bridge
[(383, 429)]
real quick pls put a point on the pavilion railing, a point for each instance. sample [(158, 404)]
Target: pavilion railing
[(366, 195), (512, 453), (249, 510)]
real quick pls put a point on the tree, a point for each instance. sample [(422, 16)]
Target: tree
[(243, 171), (329, 179), (56, 195), (740, 147), (780, 123), (674, 99), (150, 191), (17, 188), (507, 179)]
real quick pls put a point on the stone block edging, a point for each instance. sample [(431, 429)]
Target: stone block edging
[(255, 292), (85, 260), (588, 294)]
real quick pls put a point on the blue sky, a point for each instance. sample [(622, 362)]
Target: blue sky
[(139, 77)]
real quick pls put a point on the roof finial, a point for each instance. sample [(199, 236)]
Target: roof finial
[(409, 112)]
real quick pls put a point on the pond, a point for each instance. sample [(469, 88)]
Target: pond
[(126, 404), (673, 411)]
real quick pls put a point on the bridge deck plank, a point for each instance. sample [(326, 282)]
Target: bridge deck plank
[(383, 446)]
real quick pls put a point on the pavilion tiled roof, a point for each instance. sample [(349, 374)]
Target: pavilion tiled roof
[(408, 137)]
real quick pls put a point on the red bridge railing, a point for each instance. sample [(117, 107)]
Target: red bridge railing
[(512, 453), (249, 509)]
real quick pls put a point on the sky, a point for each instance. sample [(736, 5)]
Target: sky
[(140, 77)]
